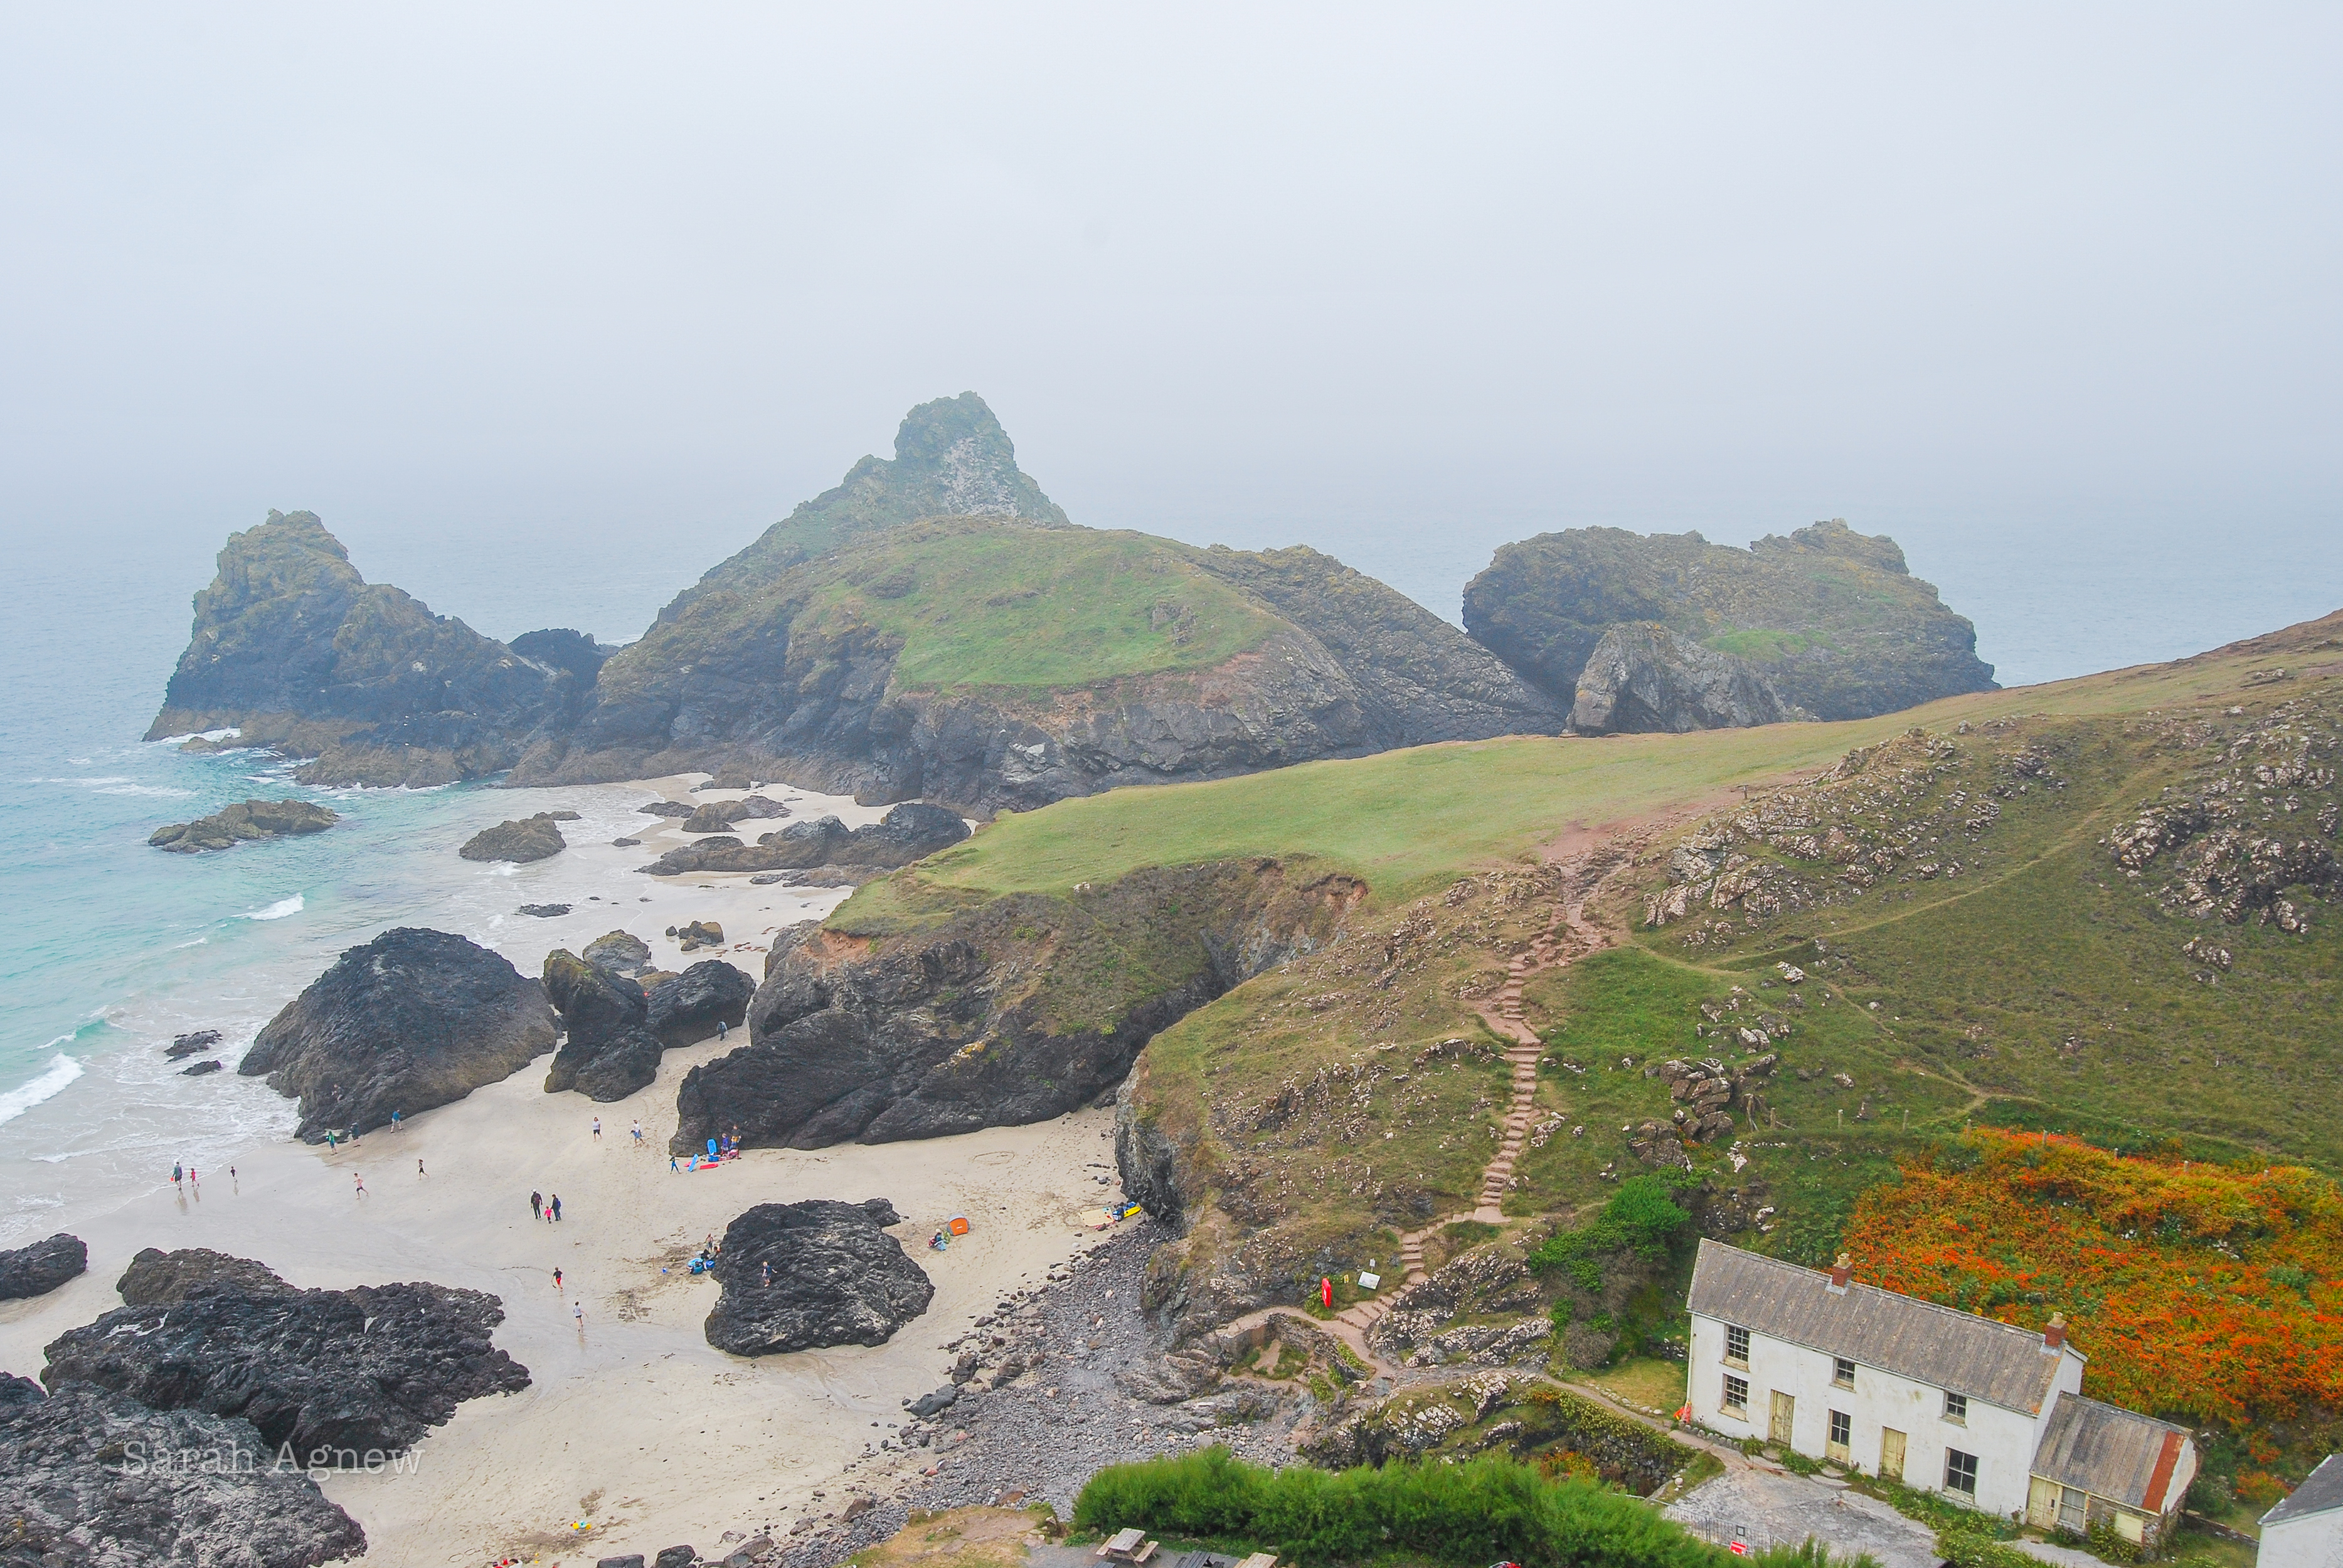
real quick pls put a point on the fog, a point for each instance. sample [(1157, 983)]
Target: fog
[(530, 302)]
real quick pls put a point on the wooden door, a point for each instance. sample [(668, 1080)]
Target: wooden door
[(1785, 1410), (1891, 1454)]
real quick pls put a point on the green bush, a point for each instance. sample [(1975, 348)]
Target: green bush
[(1642, 1217), (1470, 1513)]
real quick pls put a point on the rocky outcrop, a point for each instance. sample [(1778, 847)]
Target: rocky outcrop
[(1144, 1159), (297, 651), (38, 1270), (618, 952), (1018, 1010), (529, 838), (87, 1478), (369, 1368), (716, 816), (686, 1010), (156, 1278), (799, 1276), (607, 1050), (411, 1019), (244, 822), (1829, 617), (909, 832), (1642, 677), (188, 1044)]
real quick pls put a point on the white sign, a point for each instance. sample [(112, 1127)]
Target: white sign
[(1369, 1281)]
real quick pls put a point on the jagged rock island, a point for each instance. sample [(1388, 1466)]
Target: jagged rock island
[(1671, 632), (934, 628), (242, 823)]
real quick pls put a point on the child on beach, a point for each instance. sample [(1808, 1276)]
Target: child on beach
[(360, 1181), (597, 1129), (556, 1281), (418, 1169)]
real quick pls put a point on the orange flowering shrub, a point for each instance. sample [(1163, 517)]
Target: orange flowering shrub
[(2200, 1293)]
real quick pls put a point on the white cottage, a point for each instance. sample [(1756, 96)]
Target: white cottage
[(2305, 1531), (1937, 1398)]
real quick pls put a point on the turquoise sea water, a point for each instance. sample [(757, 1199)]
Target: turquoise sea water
[(108, 948)]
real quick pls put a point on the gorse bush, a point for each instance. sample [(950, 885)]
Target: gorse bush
[(1471, 1514)]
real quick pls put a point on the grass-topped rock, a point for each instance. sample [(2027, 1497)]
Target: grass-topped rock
[(244, 822), (1827, 620)]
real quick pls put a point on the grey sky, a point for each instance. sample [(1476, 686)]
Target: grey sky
[(2017, 284)]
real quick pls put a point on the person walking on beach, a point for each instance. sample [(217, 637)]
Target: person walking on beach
[(418, 1168), (554, 1205), (331, 1144), (177, 1175), (231, 1178), (638, 1134), (597, 1129), (672, 1167), (394, 1117), (191, 1179), (360, 1181), (577, 1311), (537, 1205), (556, 1281), (720, 1028)]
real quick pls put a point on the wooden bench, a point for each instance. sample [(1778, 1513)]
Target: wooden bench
[(1259, 1560), (1124, 1546)]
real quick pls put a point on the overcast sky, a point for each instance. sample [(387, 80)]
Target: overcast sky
[(2049, 293)]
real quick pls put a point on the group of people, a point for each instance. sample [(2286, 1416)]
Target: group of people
[(723, 1147), (541, 1207)]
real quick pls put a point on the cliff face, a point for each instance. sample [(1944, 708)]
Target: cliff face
[(297, 651), (1829, 620)]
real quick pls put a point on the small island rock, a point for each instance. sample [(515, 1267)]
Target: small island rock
[(242, 823), (529, 838)]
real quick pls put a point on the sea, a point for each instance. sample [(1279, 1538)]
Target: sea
[(109, 948)]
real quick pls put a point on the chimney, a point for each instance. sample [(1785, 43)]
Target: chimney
[(2054, 1336), (1842, 1270)]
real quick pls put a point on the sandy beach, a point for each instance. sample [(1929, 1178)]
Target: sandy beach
[(632, 1424)]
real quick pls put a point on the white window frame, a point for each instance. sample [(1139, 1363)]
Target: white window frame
[(1728, 1403), (1731, 1331), (1956, 1408)]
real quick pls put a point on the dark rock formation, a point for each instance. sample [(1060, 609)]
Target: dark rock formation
[(15, 1390), (38, 1270), (527, 839), (607, 1050), (372, 1368), (697, 934), (716, 816), (81, 1484), (1144, 1159), (837, 1278), (242, 823), (545, 911), (909, 832), (199, 1070), (412, 1020), (620, 952), (188, 1044), (686, 1010), (156, 1278), (1829, 617), (1642, 677), (666, 809), (292, 646), (919, 1035)]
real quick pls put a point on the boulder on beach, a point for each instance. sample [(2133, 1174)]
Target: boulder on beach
[(63, 1484), (38, 1270), (687, 1008), (374, 1367), (545, 911), (525, 839), (411, 1019), (200, 1069), (837, 1278), (242, 823), (912, 831), (619, 953), (607, 1050), (665, 808)]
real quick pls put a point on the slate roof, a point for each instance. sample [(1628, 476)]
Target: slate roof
[(2110, 1452), (1955, 1351), (2322, 1492)]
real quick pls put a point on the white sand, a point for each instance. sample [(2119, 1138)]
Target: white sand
[(636, 1425)]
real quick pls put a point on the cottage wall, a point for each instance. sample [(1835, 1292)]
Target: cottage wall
[(2310, 1540), (2003, 1440)]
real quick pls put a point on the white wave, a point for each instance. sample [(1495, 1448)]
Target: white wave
[(145, 789), (20, 1099), (199, 942), (277, 910), (93, 783)]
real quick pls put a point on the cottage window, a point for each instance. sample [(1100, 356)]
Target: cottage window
[(1736, 1345), (1960, 1473), (1842, 1430), (1842, 1372), (1737, 1393), (1957, 1407)]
